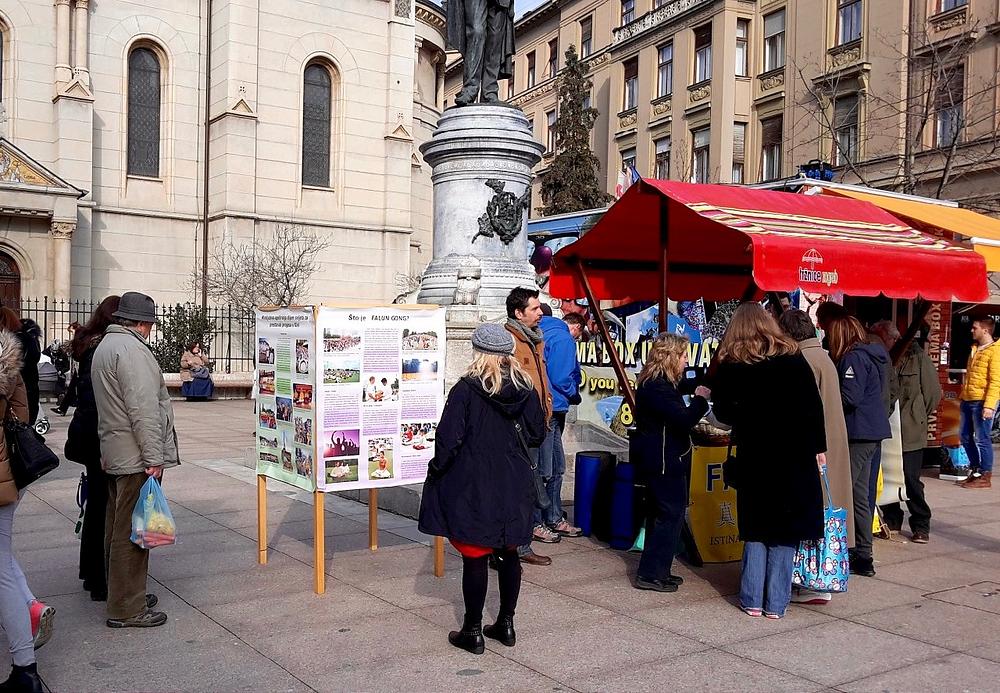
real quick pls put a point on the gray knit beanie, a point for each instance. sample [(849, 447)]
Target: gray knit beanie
[(491, 338)]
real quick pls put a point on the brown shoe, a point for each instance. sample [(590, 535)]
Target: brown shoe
[(981, 481), (920, 538), (532, 558)]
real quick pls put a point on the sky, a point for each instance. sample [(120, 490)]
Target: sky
[(522, 6)]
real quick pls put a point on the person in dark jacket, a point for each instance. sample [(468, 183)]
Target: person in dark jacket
[(83, 445), (864, 390), (779, 502), (480, 488), (29, 334), (661, 451)]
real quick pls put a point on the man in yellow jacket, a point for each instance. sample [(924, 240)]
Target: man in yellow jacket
[(979, 402)]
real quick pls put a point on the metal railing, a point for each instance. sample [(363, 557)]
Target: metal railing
[(230, 337)]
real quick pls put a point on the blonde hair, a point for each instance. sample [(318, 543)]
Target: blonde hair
[(842, 334), (665, 358), (490, 370), (753, 336)]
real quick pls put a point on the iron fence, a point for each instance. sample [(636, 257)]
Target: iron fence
[(230, 336)]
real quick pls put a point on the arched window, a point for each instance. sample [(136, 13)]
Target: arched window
[(317, 107), (143, 113)]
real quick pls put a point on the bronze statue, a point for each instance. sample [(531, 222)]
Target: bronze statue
[(483, 32)]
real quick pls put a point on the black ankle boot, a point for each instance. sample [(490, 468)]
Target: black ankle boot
[(22, 680), (502, 631), (470, 638)]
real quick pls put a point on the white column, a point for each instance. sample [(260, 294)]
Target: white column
[(81, 65), (64, 72), (61, 246)]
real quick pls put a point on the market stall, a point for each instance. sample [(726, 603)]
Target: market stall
[(670, 240)]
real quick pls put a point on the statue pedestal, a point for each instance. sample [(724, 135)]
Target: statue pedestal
[(481, 157)]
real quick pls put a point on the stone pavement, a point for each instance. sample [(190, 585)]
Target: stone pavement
[(929, 621)]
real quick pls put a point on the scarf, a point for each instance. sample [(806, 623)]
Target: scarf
[(533, 335)]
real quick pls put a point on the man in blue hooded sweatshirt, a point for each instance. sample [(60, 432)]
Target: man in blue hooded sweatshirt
[(562, 369)]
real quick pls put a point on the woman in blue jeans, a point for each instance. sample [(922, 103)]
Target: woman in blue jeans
[(766, 391)]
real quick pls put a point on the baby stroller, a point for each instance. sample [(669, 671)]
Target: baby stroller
[(51, 383)]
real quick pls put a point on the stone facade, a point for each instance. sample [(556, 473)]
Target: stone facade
[(78, 225)]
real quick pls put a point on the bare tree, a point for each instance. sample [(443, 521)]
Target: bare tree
[(275, 270)]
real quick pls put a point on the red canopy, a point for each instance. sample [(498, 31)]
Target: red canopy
[(719, 238)]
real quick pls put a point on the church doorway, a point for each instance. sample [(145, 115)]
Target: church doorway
[(10, 282)]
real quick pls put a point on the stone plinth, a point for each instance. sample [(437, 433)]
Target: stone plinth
[(481, 157)]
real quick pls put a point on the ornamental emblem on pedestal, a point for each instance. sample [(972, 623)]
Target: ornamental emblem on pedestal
[(504, 213)]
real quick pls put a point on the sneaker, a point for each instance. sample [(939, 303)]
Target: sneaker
[(42, 619), (642, 583), (754, 613), (920, 537), (810, 597), (545, 535), (773, 617), (146, 619), (565, 529)]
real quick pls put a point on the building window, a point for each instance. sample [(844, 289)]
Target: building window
[(531, 70), (665, 70), (952, 4), (739, 151), (661, 159), (770, 144), (553, 57), (699, 156), (586, 37), (628, 159), (774, 41), (586, 101), (848, 21), (631, 84), (948, 101), (660, 3), (742, 47), (317, 111), (143, 113), (531, 125), (845, 129), (703, 53), (550, 125), (628, 11), (3, 39)]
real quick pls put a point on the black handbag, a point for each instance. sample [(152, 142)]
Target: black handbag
[(28, 455), (731, 469), (542, 500)]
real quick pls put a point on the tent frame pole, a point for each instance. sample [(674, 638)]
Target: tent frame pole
[(664, 274), (921, 307)]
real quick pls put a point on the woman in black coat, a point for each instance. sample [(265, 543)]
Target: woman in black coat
[(661, 450), (83, 445), (766, 391), (480, 488)]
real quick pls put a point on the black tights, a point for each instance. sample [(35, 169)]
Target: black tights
[(475, 580)]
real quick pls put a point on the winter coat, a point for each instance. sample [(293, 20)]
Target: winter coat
[(838, 455), (532, 359), (31, 353), (189, 362), (864, 391), (982, 377), (919, 396), (661, 442), (83, 443), (776, 413), (561, 364), (136, 419), (13, 396), (480, 487)]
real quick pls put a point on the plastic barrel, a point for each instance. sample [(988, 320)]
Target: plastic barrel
[(623, 508), (601, 510), (588, 476)]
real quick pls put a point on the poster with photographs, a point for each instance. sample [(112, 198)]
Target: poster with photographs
[(286, 409), (379, 394)]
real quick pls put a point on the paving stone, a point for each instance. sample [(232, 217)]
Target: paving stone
[(951, 626), (935, 574), (956, 672)]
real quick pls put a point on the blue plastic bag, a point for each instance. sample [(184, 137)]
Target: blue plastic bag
[(959, 459), (822, 565), (152, 523)]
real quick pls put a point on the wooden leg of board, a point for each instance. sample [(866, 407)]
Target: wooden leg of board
[(373, 519), (319, 541), (262, 519), (438, 556)]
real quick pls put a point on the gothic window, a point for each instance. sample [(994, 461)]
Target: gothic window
[(144, 91), (317, 107)]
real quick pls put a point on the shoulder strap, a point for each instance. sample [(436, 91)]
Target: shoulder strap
[(524, 445)]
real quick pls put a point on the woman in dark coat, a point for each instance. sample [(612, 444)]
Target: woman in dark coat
[(83, 445), (661, 451), (766, 391), (480, 489), (28, 333)]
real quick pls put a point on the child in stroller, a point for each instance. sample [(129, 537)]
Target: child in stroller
[(53, 368)]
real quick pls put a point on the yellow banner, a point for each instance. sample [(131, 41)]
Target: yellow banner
[(712, 513)]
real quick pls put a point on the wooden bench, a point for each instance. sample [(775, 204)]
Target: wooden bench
[(227, 385)]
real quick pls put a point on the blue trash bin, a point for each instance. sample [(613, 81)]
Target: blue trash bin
[(591, 467), (624, 518)]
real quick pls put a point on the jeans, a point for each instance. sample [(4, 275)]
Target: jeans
[(975, 433), (666, 500), (552, 467), (920, 512), (862, 453), (766, 581), (14, 594), (873, 477), (536, 514)]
